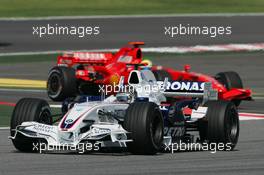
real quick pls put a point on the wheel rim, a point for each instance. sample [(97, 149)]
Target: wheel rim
[(54, 85)]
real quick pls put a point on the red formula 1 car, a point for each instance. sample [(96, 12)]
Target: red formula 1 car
[(228, 84), (83, 72)]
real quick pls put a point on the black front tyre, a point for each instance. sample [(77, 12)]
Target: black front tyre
[(61, 83), (222, 124), (28, 109), (145, 122), (230, 80)]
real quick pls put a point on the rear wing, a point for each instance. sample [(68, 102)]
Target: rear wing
[(130, 55), (202, 90), (72, 58)]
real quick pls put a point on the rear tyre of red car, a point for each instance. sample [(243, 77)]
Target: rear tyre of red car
[(222, 124), (61, 83), (144, 121), (230, 80), (28, 109)]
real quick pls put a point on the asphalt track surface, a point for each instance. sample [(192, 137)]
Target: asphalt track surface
[(248, 158), (16, 36)]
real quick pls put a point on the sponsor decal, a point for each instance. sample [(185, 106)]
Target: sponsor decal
[(125, 59), (182, 86), (163, 108), (68, 121), (176, 131), (43, 128), (89, 55)]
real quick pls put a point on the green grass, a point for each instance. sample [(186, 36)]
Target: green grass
[(34, 8)]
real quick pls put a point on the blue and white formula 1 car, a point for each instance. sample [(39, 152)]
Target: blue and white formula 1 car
[(139, 120)]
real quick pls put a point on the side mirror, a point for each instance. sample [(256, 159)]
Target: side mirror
[(134, 78)]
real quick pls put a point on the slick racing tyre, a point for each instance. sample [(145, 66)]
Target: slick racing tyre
[(160, 75), (222, 123), (61, 83), (230, 80), (144, 121), (28, 109)]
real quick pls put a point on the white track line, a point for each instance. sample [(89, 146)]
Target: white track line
[(4, 128), (249, 118), (258, 98), (130, 16), (176, 49)]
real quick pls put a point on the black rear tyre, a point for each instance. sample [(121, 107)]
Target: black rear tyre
[(145, 122), (230, 80), (61, 83), (28, 109), (223, 123)]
